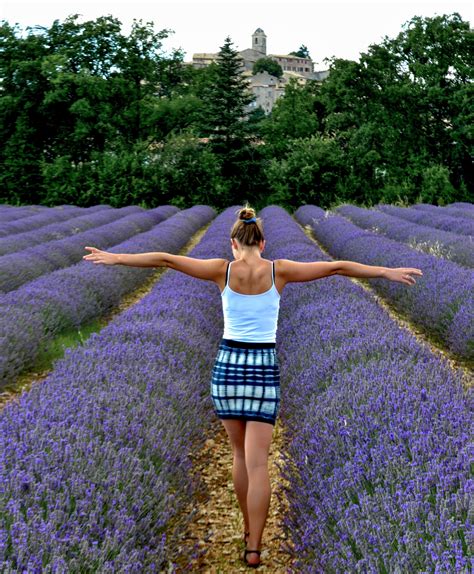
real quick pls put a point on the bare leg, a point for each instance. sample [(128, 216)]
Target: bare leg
[(258, 437), (236, 431)]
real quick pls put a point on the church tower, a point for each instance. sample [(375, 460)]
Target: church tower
[(259, 41)]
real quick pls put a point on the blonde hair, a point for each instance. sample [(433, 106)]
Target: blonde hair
[(247, 233)]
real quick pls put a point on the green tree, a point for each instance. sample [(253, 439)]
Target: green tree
[(297, 114), (268, 65), (225, 122), (437, 56), (403, 107), (22, 131), (302, 52), (436, 186), (76, 90), (310, 173)]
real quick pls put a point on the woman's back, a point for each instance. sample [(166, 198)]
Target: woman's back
[(250, 302)]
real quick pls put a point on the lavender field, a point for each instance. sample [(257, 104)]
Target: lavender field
[(377, 429), (96, 472), (442, 302)]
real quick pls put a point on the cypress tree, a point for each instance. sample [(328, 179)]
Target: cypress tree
[(224, 120), (226, 98)]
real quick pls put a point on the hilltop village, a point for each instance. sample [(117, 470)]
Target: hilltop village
[(266, 87)]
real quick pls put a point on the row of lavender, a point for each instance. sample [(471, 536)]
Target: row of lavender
[(376, 428), (9, 226), (462, 204), (67, 298), (441, 302), (59, 230), (464, 210), (439, 220), (12, 213), (452, 246), (19, 268), (94, 462)]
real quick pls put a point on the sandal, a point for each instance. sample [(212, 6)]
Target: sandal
[(250, 552)]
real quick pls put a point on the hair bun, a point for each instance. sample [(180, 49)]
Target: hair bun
[(247, 229), (247, 213)]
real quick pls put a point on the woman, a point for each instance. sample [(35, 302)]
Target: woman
[(245, 386)]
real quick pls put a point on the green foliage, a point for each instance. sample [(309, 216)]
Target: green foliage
[(436, 187), (180, 171), (188, 171), (297, 114), (227, 97), (78, 91), (400, 193), (395, 115), (310, 173), (90, 115), (225, 123), (302, 52), (268, 65)]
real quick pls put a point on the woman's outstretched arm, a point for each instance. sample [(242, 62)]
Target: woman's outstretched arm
[(294, 271), (209, 269)]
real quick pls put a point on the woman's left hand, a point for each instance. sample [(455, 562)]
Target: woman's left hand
[(403, 274)]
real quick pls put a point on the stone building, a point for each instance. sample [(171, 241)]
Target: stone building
[(265, 87), (290, 63), (202, 60)]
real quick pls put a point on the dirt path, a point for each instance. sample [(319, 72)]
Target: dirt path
[(218, 525), (26, 380), (404, 323)]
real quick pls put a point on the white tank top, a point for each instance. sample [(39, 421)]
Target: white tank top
[(250, 318)]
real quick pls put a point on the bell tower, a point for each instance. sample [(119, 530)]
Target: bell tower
[(259, 41)]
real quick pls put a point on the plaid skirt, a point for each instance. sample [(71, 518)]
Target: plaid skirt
[(245, 381)]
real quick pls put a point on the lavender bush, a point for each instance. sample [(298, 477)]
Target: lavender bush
[(436, 210), (462, 205), (19, 268), (38, 311), (438, 220), (42, 218), (459, 249), (63, 229), (376, 429), (433, 303), (101, 478), (10, 213)]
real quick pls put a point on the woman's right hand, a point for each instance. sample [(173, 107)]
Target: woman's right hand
[(98, 256)]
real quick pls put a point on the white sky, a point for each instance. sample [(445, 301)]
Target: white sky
[(328, 28)]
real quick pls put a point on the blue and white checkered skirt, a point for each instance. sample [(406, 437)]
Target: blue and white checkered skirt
[(246, 381)]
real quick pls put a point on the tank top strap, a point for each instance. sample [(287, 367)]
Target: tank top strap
[(273, 272), (227, 273)]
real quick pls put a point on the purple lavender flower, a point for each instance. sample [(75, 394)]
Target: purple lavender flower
[(39, 310), (10, 213), (376, 427), (432, 304), (42, 218), (452, 246), (75, 225), (21, 267), (462, 205), (436, 210), (439, 220), (95, 463)]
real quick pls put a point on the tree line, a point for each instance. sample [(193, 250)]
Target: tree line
[(90, 115)]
